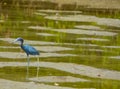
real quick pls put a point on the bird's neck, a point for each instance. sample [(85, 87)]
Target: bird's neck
[(21, 44)]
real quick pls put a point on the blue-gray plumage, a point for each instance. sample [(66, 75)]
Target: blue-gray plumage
[(29, 50)]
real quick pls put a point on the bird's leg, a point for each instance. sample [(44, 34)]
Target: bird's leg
[(28, 62), (37, 66)]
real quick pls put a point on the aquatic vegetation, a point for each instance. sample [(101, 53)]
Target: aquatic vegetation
[(73, 45)]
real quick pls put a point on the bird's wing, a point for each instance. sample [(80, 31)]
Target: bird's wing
[(30, 50)]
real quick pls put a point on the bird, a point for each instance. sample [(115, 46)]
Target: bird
[(29, 50)]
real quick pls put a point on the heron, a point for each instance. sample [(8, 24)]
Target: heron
[(29, 50)]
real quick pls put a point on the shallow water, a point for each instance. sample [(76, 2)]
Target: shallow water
[(18, 55), (45, 34), (72, 68), (74, 47)]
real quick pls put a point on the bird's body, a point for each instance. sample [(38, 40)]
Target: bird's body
[(29, 50)]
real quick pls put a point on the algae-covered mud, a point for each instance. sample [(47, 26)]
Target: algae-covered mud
[(79, 47)]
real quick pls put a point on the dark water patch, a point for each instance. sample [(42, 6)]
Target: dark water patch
[(28, 4)]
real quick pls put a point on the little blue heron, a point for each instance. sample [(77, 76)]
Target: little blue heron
[(29, 50)]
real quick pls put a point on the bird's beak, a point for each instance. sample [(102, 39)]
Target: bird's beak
[(15, 41)]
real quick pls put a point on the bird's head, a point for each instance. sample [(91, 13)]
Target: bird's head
[(19, 39)]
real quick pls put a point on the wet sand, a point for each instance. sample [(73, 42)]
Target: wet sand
[(93, 39), (89, 27), (58, 79), (87, 18), (86, 32), (7, 84)]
